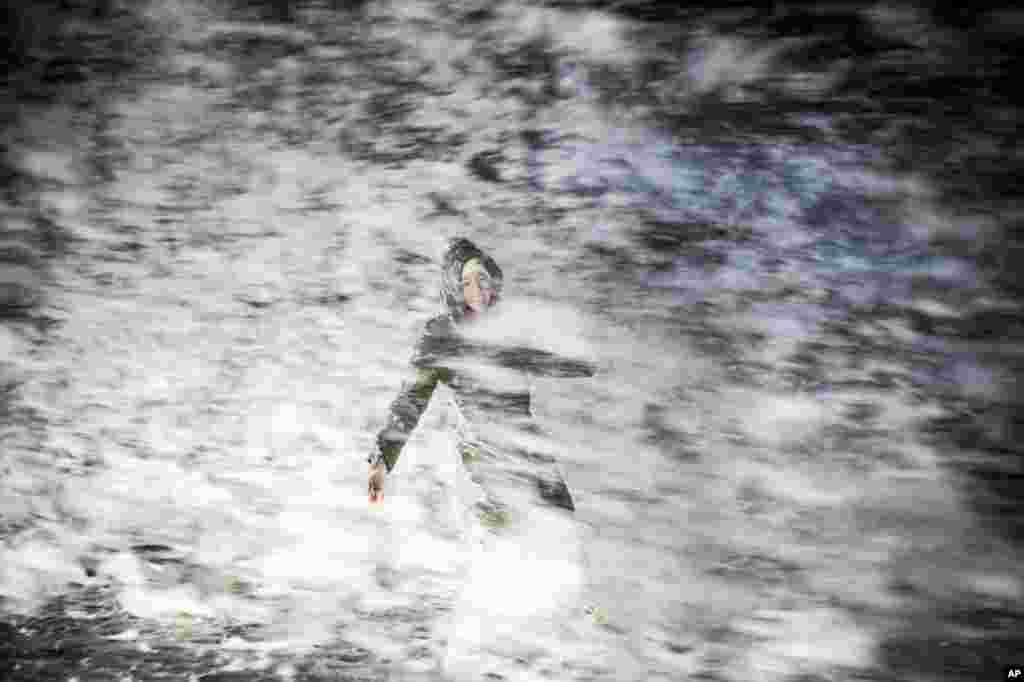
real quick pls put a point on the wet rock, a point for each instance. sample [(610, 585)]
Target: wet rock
[(678, 648), (385, 576), (478, 15), (158, 554), (20, 247), (332, 299), (994, 325), (556, 493), (443, 205), (257, 303), (388, 107), (21, 289), (863, 412), (665, 237), (484, 165), (672, 441), (406, 257)]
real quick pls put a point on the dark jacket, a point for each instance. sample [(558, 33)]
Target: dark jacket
[(442, 354)]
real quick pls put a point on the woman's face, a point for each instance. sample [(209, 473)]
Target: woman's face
[(476, 289)]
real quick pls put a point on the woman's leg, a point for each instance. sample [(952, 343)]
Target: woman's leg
[(525, 574)]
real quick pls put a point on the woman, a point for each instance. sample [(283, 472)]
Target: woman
[(524, 502)]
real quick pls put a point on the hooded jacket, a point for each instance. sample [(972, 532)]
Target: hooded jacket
[(444, 355)]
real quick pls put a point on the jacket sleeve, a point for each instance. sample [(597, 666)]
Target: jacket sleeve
[(542, 363), (414, 396), (405, 412)]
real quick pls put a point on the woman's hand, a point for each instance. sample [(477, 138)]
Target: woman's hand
[(376, 482)]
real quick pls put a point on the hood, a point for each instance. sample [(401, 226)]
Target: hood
[(458, 252)]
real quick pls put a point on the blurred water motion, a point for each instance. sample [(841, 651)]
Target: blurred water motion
[(787, 233)]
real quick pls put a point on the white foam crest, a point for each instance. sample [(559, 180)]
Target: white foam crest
[(721, 61), (521, 321)]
